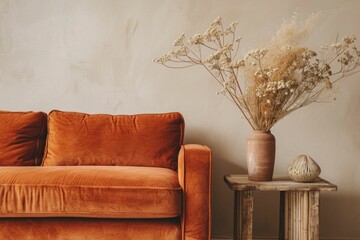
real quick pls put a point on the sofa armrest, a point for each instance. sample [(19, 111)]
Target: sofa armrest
[(194, 168)]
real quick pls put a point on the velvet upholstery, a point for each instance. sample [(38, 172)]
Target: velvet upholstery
[(110, 177), (89, 191), (98, 139), (22, 138), (195, 179), (89, 229)]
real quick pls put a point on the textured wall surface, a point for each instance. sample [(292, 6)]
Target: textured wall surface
[(96, 56)]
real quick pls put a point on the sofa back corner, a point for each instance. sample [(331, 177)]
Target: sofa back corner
[(22, 138)]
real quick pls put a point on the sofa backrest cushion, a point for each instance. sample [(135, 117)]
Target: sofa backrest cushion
[(22, 138), (120, 140)]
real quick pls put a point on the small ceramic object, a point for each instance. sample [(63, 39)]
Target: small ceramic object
[(304, 169)]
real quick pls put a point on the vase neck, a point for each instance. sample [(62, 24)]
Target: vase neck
[(261, 131)]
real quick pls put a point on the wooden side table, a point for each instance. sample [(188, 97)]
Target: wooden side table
[(299, 206)]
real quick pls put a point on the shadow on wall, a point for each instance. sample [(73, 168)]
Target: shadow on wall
[(330, 215), (333, 205), (222, 196), (266, 205)]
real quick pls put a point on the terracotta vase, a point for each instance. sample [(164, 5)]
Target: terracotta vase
[(260, 155)]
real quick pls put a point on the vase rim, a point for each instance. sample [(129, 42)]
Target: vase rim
[(262, 131)]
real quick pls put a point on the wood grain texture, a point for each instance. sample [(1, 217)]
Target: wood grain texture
[(301, 215), (243, 215), (241, 182), (299, 206)]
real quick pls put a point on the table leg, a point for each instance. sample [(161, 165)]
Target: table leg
[(243, 215), (282, 216), (301, 215), (314, 204)]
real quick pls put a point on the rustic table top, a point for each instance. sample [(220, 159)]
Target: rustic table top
[(279, 183)]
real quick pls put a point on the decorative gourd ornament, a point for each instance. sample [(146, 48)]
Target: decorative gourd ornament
[(304, 169)]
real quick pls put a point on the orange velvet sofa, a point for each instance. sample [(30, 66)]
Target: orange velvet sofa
[(67, 175)]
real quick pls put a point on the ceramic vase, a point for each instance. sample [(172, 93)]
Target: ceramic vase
[(260, 156)]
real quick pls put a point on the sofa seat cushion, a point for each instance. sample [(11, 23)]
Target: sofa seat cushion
[(89, 191)]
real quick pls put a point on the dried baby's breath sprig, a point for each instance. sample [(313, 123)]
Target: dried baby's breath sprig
[(179, 41), (269, 83)]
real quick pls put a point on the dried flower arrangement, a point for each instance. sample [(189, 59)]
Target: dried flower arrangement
[(270, 83)]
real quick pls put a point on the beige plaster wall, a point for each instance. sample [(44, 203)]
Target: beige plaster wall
[(96, 56)]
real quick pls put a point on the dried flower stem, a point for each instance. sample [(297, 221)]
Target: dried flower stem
[(276, 80)]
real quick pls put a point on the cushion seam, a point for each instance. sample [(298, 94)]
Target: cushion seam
[(38, 140), (82, 186), (85, 213), (47, 139)]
